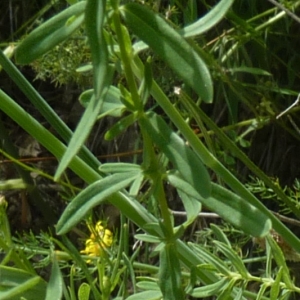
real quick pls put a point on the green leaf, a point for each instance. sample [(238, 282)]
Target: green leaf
[(220, 235), (280, 261), (147, 238), (275, 288), (12, 184), (51, 33), (55, 285), (189, 196), (120, 127), (201, 26), (84, 291), (210, 289), (145, 87), (212, 259), (126, 98), (119, 168), (171, 46), (112, 104), (93, 195), (238, 212), (5, 236), (146, 295), (227, 291), (183, 158), (16, 283), (94, 19), (262, 290), (170, 274), (148, 285), (254, 71), (234, 258), (136, 186), (191, 206), (209, 20)]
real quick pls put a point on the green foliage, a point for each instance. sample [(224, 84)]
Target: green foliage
[(173, 155)]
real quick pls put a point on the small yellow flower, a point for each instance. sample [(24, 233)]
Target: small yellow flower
[(100, 239)]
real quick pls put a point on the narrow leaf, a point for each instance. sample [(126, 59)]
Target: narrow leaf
[(188, 195), (210, 289), (211, 259), (275, 288), (254, 71), (55, 285), (16, 283), (84, 291), (237, 211), (280, 260), (220, 235), (119, 168), (51, 33), (120, 127), (94, 19), (112, 104), (234, 258), (146, 295), (147, 238), (227, 291), (209, 20), (171, 46), (262, 290), (92, 196), (148, 285)]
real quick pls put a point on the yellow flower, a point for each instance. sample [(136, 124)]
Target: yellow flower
[(100, 239)]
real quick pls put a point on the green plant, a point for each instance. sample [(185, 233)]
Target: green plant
[(172, 153)]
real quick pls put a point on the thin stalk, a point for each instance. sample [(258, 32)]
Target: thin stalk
[(153, 170), (160, 196)]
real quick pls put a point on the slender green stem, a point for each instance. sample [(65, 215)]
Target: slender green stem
[(160, 196), (154, 171)]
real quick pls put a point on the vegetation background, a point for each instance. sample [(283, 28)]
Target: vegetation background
[(196, 166)]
